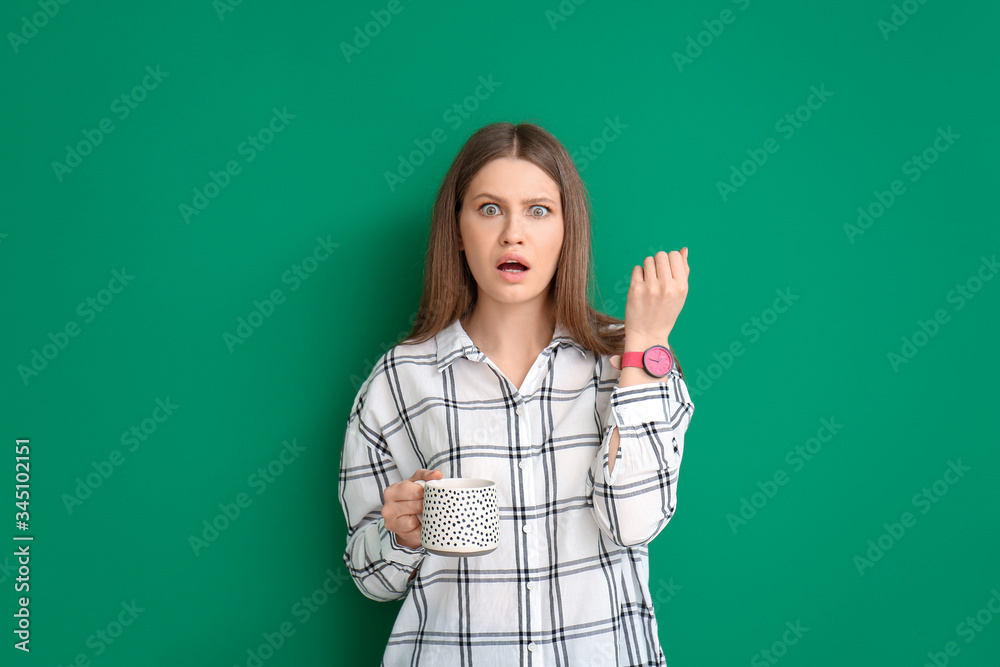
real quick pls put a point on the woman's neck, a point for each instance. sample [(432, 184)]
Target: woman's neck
[(517, 330)]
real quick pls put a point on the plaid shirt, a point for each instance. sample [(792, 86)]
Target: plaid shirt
[(568, 585)]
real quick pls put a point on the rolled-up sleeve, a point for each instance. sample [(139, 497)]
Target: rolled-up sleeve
[(379, 565), (633, 502)]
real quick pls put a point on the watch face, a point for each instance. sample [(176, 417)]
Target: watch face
[(657, 361)]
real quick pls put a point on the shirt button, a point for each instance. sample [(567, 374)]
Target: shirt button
[(519, 410), (531, 646), (526, 528), (531, 586), (523, 464)]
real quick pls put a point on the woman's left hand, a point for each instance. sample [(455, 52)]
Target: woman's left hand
[(655, 298)]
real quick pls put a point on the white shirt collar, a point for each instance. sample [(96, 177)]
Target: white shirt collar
[(453, 342)]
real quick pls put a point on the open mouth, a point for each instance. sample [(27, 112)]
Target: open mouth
[(512, 264), (512, 267)]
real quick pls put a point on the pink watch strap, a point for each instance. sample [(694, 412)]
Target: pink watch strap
[(632, 359)]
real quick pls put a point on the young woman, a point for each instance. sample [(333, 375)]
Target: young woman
[(510, 375)]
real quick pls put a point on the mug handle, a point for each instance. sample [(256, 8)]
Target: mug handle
[(423, 485)]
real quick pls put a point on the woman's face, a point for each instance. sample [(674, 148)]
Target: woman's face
[(511, 211)]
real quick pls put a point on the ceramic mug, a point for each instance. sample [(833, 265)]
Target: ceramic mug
[(461, 516)]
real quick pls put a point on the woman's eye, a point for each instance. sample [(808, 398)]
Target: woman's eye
[(539, 211), (490, 209)]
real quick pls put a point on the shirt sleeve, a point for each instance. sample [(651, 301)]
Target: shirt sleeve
[(634, 502), (379, 565)]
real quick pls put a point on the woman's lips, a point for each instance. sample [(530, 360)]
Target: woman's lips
[(510, 275), (513, 267)]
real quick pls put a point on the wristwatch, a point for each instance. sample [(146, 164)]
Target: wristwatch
[(656, 361)]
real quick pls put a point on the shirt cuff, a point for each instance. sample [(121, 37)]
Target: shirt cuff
[(640, 404), (394, 552)]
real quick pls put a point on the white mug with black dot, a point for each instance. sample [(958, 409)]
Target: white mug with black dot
[(461, 516)]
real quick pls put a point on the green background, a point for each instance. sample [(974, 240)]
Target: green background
[(723, 590)]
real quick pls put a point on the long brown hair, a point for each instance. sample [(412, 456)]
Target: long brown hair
[(449, 287)]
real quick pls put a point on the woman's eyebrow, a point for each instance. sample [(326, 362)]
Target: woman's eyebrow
[(533, 200)]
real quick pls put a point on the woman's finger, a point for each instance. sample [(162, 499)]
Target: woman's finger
[(664, 267), (405, 525), (637, 276), (405, 490), (649, 269), (407, 507), (678, 268)]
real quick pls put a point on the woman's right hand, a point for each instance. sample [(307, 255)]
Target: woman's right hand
[(403, 501)]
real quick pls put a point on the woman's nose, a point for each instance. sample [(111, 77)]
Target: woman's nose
[(513, 231)]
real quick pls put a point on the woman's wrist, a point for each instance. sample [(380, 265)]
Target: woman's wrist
[(640, 342)]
